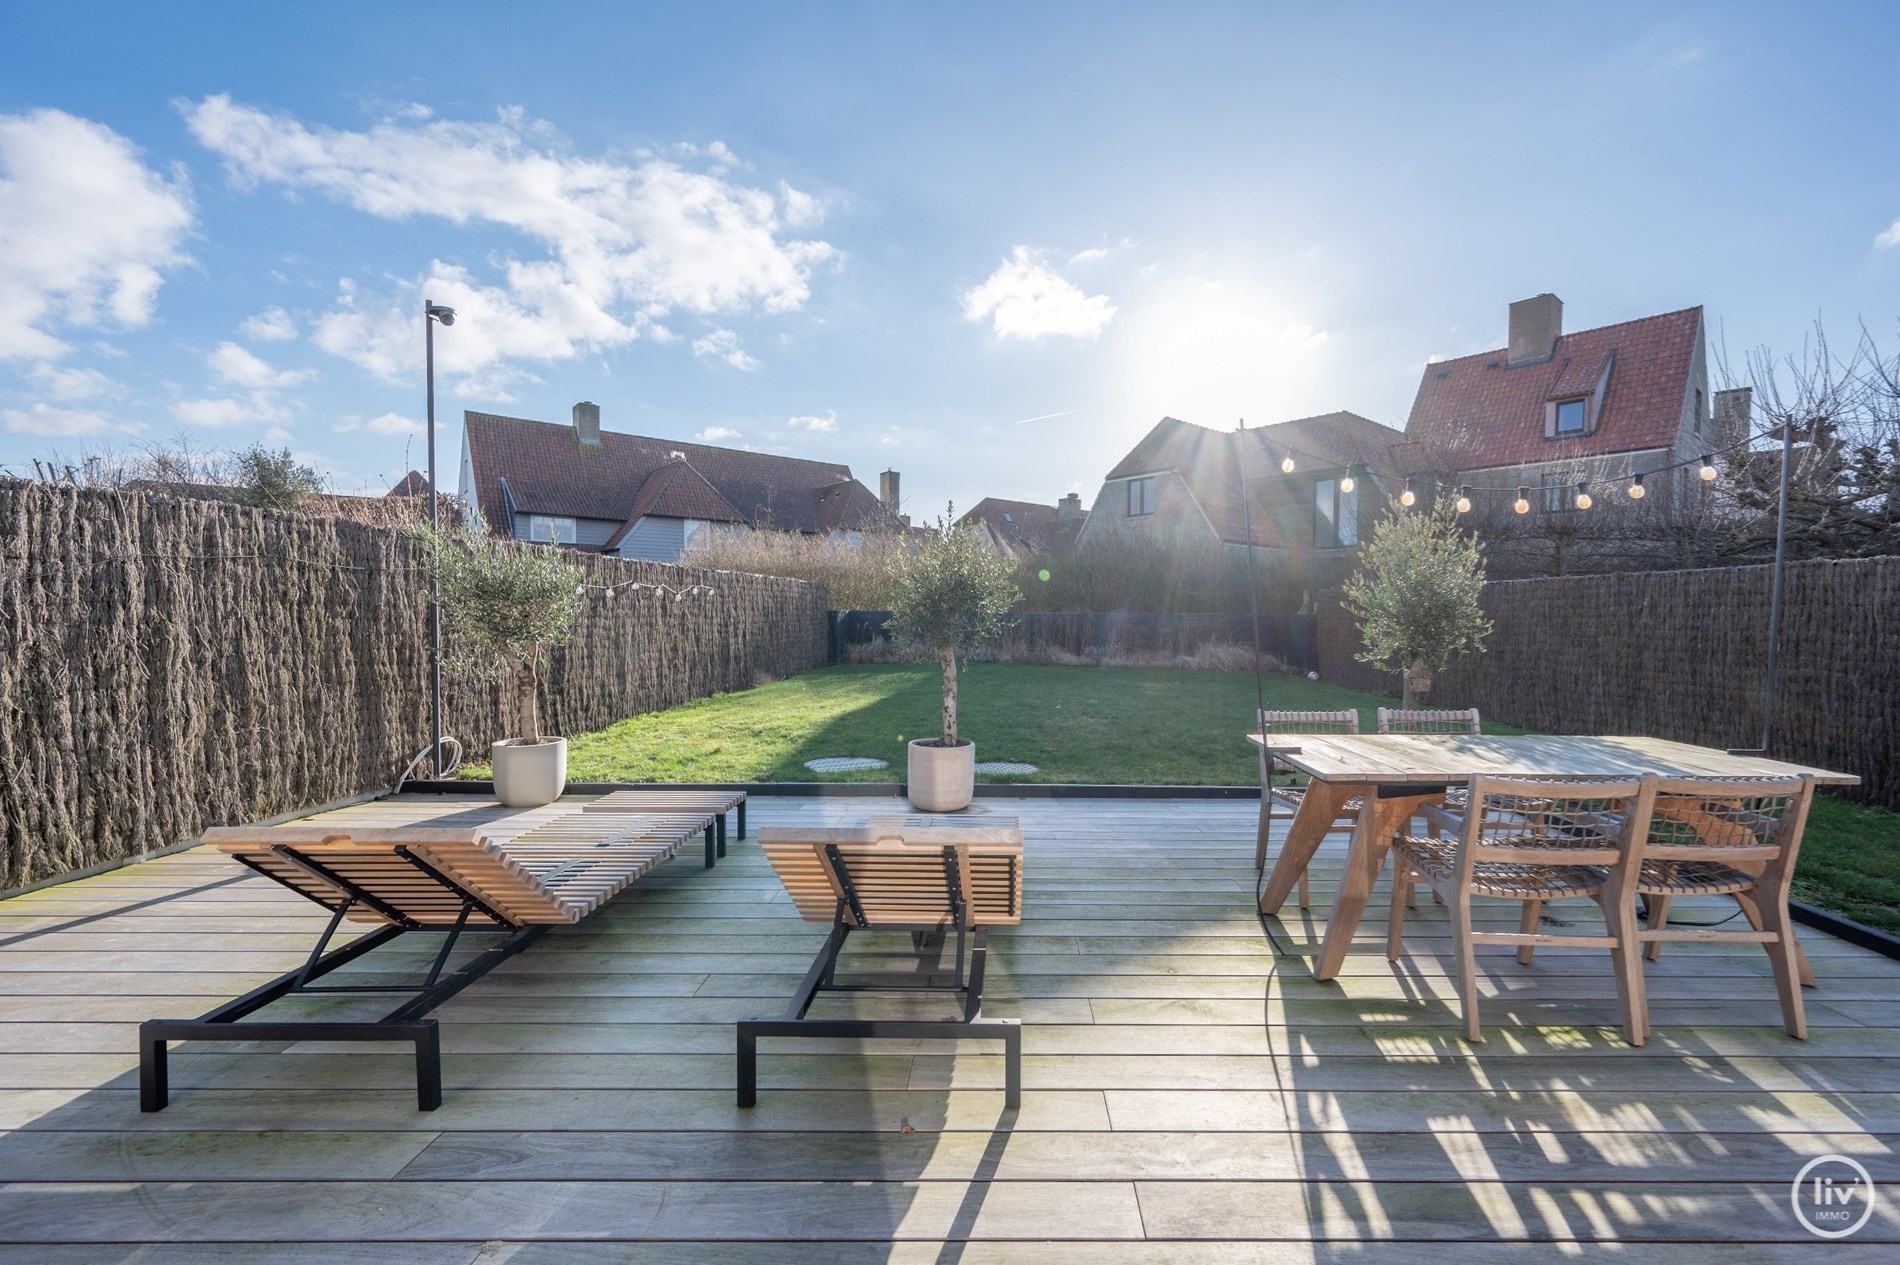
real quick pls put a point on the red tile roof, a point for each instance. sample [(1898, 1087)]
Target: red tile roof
[(549, 471), (1027, 525), (1207, 460), (415, 483), (1476, 413)]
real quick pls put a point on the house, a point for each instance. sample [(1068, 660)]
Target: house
[(1025, 529), (635, 496), (1549, 411), (1316, 484)]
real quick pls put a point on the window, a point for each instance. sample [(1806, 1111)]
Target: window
[(1570, 417), (1698, 410), (550, 530), (1141, 496), (1556, 494), (1335, 515)]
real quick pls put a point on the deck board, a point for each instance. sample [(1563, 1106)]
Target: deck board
[(1191, 1093)]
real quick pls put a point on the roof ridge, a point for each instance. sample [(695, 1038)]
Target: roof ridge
[(1574, 333)]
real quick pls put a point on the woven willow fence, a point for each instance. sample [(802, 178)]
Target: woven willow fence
[(1682, 654), (167, 665)]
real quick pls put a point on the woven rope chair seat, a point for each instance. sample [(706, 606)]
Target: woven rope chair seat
[(1437, 860), (1691, 878), (1294, 796)]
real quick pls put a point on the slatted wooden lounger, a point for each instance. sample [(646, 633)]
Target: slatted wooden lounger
[(415, 879), (923, 875), (714, 804)]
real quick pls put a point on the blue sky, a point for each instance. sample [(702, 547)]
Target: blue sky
[(888, 234)]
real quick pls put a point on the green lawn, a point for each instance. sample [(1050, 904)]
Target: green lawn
[(1156, 726)]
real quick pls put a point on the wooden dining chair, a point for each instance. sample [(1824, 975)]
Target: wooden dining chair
[(1292, 794), (1728, 837), (1447, 720), (1535, 841)]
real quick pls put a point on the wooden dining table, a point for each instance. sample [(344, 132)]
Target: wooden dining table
[(1394, 774)]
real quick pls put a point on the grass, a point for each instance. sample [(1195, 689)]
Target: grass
[(1156, 726)]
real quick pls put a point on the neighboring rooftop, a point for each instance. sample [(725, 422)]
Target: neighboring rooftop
[(1027, 527)]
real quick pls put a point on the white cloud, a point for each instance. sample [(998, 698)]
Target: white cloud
[(387, 424), (239, 367), (85, 230), (218, 413), (717, 435), (43, 419), (1026, 298), (1089, 256), (272, 325), (70, 384), (621, 243), (723, 344), (1890, 237), (812, 422)]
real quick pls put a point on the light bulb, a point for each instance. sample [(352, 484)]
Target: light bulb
[(1346, 484), (1463, 505), (1707, 472), (1636, 488), (1286, 464), (1406, 498), (1584, 499), (1523, 502)]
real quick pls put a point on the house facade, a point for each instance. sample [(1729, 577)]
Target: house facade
[(1314, 486), (635, 496)]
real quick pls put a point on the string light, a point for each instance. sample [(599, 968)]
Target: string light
[(1523, 502), (1286, 461), (1464, 499), (1346, 484), (1707, 472), (1584, 500), (607, 591), (1636, 488), (1407, 498)]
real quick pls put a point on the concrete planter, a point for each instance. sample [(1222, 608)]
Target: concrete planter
[(529, 774), (941, 779)]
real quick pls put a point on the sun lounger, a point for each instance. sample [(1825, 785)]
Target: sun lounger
[(923, 875), (714, 805), (415, 879)]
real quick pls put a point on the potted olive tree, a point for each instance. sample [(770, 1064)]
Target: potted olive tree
[(1415, 595), (948, 594), (503, 605)]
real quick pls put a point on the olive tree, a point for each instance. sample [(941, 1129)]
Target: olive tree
[(503, 604), (1415, 595), (950, 593)]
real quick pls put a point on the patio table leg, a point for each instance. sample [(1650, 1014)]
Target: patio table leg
[(1317, 812), (1365, 856)]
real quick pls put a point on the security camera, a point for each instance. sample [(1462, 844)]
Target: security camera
[(446, 316)]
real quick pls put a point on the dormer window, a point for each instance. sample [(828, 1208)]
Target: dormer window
[(1571, 416), (1141, 496)]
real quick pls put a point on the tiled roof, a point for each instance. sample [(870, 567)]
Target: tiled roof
[(415, 483), (1207, 460), (1476, 413), (549, 471), (1023, 524), (850, 506)]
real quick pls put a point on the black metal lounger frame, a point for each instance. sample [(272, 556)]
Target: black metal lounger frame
[(822, 977), (405, 1023)]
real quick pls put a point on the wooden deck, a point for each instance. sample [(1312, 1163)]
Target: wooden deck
[(1190, 1094)]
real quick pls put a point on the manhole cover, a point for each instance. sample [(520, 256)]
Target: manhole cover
[(844, 764), (1005, 767)]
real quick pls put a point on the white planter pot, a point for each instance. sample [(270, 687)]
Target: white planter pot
[(529, 774), (941, 779)]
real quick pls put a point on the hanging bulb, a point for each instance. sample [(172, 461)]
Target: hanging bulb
[(1286, 463), (580, 590), (1707, 472), (1464, 500), (1523, 502), (1584, 499), (1407, 498), (1636, 488), (610, 594), (1347, 483)]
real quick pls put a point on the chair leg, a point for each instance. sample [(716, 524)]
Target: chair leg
[(1306, 891), (1261, 834), (1785, 956), (1467, 965), (1527, 925), (1658, 919), (1626, 962), (1753, 914), (1395, 927)]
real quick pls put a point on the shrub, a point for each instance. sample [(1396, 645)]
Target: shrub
[(950, 594), (1415, 594)]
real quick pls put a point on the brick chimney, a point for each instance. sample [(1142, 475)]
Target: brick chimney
[(1069, 508), (587, 422), (1734, 415), (887, 490), (1536, 325)]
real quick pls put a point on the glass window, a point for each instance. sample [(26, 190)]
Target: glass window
[(1570, 417), (1698, 410), (1141, 496), (1556, 494), (551, 530), (1335, 515)]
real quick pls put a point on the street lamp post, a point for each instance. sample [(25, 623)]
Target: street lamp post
[(431, 313)]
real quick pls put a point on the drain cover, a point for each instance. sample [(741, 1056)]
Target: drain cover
[(1005, 767), (844, 764)]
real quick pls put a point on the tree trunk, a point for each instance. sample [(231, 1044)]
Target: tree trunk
[(527, 712), (1418, 681), (949, 659)]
